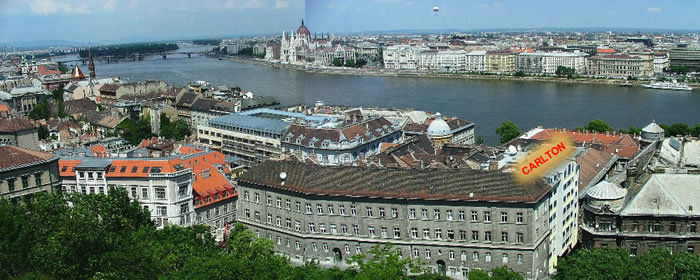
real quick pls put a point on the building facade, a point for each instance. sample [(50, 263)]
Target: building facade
[(452, 220), (24, 173), (19, 132), (500, 62), (402, 57), (619, 66), (547, 62), (684, 55)]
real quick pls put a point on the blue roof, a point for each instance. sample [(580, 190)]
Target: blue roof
[(250, 122), (305, 117), (91, 163)]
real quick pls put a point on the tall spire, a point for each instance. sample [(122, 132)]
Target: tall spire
[(302, 22)]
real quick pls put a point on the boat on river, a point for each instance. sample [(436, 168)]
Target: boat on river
[(675, 85)]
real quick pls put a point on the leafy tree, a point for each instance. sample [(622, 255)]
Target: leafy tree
[(598, 126), (505, 273), (508, 131), (384, 262), (680, 69), (135, 132), (479, 140), (478, 274), (177, 130), (40, 111), (603, 263), (696, 130), (563, 71), (677, 129), (63, 69), (519, 74), (42, 132), (632, 130), (337, 62)]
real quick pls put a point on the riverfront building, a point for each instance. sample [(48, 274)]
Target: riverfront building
[(684, 55), (547, 62), (25, 172), (402, 57), (452, 220), (500, 61), (619, 66)]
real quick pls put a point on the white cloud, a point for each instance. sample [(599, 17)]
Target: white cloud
[(494, 5), (45, 7), (281, 4), (654, 9)]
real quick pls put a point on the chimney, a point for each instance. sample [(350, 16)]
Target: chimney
[(493, 166)]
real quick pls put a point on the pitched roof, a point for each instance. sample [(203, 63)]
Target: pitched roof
[(15, 125), (621, 144), (4, 108), (593, 163), (666, 195), (20, 157), (109, 87), (398, 183)]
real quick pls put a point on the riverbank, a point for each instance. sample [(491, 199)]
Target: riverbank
[(405, 73)]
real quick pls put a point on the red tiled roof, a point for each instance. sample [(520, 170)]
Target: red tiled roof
[(15, 125), (42, 70), (186, 150), (99, 151), (621, 144), (4, 108), (606, 50)]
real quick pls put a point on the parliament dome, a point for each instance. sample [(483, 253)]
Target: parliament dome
[(302, 30)]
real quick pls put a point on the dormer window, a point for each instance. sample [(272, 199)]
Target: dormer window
[(326, 143)]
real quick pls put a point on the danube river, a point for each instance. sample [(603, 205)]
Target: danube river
[(486, 102)]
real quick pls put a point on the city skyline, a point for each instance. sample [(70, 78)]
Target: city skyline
[(128, 21)]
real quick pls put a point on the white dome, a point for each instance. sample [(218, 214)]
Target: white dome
[(438, 127), (653, 128), (606, 191)]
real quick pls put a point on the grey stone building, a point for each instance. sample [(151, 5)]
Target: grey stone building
[(19, 132), (452, 220), (25, 172)]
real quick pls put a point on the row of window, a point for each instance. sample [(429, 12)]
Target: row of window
[(475, 235), (381, 212), (11, 182), (463, 256)]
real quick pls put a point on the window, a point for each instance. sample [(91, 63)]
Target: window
[(424, 213), (384, 235), (133, 169), (160, 193), (319, 209), (414, 233), (427, 253), (370, 231), (11, 184), (448, 215), (347, 249), (397, 232), (475, 235), (693, 227), (436, 214), (163, 211), (322, 227), (394, 213), (257, 198), (504, 217), (461, 215), (334, 229), (341, 210), (475, 217), (297, 245), (325, 247), (411, 213), (269, 200), (505, 258), (343, 229), (488, 256), (426, 233), (257, 215), (475, 256), (297, 225), (269, 219), (288, 204), (278, 221), (672, 227), (314, 247), (358, 249), (134, 192), (331, 210), (308, 208), (145, 169), (487, 216), (355, 229), (438, 233), (353, 210), (520, 259), (463, 235), (451, 255), (279, 240), (519, 237), (504, 237), (381, 212), (369, 212), (312, 227), (519, 217), (487, 236), (279, 202), (298, 206), (37, 179), (288, 223), (416, 253), (144, 193)]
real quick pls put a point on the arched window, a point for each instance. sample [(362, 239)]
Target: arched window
[(452, 255), (505, 258), (488, 256), (693, 227)]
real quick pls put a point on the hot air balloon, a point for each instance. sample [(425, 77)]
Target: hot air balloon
[(436, 9)]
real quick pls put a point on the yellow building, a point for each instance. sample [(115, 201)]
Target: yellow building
[(500, 62)]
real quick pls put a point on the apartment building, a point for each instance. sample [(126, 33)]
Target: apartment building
[(25, 172), (547, 62)]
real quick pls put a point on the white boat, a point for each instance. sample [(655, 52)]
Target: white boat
[(675, 85)]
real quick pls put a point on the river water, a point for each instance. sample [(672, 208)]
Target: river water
[(488, 103)]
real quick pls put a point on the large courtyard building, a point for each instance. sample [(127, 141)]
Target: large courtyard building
[(452, 220), (402, 57), (620, 66), (24, 172), (547, 62)]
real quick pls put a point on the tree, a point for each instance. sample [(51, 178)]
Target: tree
[(479, 140), (598, 126), (135, 132), (42, 132), (680, 69), (498, 273), (337, 62), (519, 74), (696, 130), (40, 111), (566, 71), (677, 129), (508, 131), (603, 263), (632, 130)]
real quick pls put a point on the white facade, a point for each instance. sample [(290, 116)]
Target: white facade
[(661, 62), (547, 62), (563, 210), (402, 57)]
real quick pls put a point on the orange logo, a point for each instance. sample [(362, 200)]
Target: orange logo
[(544, 159)]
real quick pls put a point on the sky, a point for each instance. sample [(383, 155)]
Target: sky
[(148, 20)]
